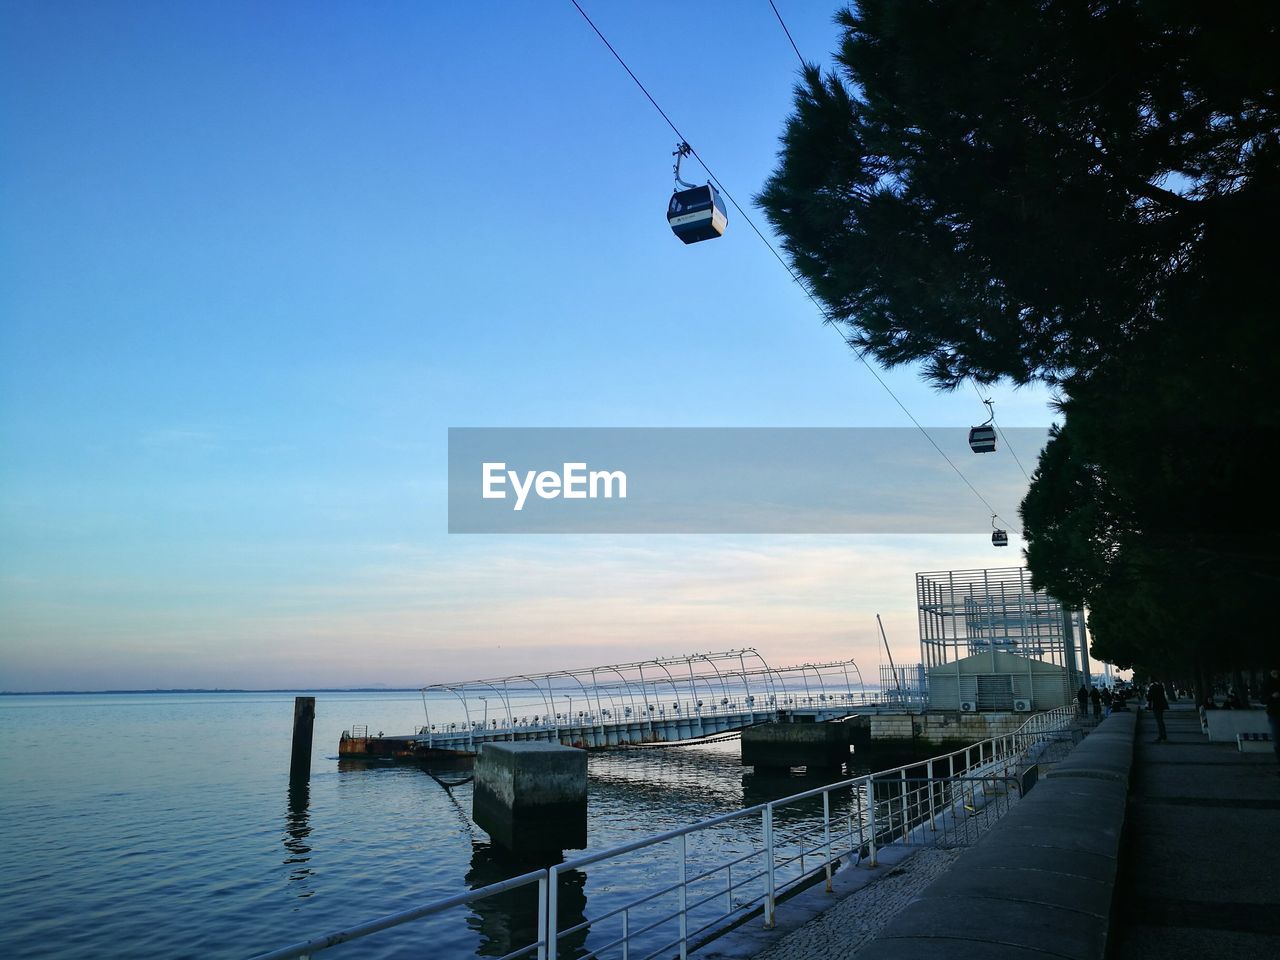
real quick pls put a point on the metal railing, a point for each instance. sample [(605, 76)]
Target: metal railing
[(947, 800), (948, 811), (950, 799)]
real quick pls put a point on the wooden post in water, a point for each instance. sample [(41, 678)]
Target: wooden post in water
[(304, 719)]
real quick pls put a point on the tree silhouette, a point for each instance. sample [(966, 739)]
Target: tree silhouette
[(1084, 194)]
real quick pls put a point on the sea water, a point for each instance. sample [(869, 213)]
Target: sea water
[(160, 825)]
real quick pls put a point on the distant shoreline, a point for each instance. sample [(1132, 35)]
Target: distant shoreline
[(72, 693)]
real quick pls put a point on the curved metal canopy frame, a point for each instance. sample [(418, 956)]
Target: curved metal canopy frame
[(738, 682)]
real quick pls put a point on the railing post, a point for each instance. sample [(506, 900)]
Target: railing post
[(906, 816), (871, 811), (543, 884), (929, 774), (769, 903), (553, 924), (684, 897), (626, 933), (858, 790), (850, 822), (728, 890), (826, 828)]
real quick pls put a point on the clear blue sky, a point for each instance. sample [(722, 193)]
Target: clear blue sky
[(256, 258)]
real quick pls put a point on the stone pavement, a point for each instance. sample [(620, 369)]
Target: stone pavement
[(840, 931), (1200, 860)]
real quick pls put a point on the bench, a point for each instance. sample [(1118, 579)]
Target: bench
[(1226, 725), (1253, 742)]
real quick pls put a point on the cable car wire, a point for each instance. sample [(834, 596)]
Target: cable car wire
[(788, 33), (683, 139), (829, 320), (1008, 446), (995, 423)]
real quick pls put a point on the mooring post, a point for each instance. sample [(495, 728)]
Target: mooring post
[(304, 720), (531, 797)]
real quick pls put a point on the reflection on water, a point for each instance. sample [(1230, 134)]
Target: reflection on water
[(700, 774), (297, 828), (106, 846), (351, 764), (508, 921)]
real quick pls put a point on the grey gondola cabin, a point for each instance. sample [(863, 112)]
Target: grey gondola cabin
[(697, 214), (999, 538), (983, 439)]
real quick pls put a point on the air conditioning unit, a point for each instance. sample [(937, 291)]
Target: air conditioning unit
[(968, 706), (1022, 705)]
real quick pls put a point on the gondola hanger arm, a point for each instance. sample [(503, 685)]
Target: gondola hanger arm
[(681, 151)]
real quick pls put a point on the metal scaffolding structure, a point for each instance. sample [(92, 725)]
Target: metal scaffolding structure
[(966, 612), (903, 686)]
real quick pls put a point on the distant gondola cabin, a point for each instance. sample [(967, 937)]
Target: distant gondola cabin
[(999, 538), (697, 214)]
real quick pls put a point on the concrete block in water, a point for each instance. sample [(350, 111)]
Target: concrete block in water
[(531, 796), (821, 746)]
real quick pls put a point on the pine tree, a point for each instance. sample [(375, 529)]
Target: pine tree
[(1087, 195)]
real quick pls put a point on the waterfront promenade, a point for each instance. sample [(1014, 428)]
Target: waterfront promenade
[(1131, 849), (1200, 862)]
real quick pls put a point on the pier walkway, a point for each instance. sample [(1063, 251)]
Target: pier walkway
[(660, 701), (1145, 851)]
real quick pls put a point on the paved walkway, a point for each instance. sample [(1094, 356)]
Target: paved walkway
[(1198, 869), (1199, 872), (817, 926)]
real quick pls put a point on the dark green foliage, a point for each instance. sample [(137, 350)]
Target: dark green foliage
[(1086, 194), (1010, 189)]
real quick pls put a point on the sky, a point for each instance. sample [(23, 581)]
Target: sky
[(257, 258)]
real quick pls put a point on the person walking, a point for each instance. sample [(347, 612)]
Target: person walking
[(1271, 697), (1095, 697), (1082, 700), (1158, 703)]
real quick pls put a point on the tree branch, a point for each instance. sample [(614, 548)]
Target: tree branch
[(1166, 198)]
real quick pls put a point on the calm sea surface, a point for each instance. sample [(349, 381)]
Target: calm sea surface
[(163, 825)]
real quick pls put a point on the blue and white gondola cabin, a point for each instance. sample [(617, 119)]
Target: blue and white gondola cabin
[(983, 439), (697, 214)]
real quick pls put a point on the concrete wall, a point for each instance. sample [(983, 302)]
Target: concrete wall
[(945, 727), (1044, 684), (1041, 881), (784, 745)]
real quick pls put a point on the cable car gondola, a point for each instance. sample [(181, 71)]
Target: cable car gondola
[(695, 213), (999, 538), (982, 438)]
